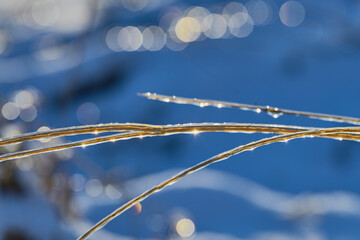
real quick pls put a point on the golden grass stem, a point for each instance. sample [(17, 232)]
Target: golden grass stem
[(217, 158), (77, 130), (144, 130)]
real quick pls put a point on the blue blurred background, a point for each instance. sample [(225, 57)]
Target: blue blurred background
[(68, 63)]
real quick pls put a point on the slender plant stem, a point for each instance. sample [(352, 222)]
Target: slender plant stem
[(159, 130), (217, 158), (274, 111), (135, 130), (123, 127), (77, 130)]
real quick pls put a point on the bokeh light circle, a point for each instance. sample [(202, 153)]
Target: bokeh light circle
[(292, 13), (188, 29), (154, 38), (241, 24), (215, 26)]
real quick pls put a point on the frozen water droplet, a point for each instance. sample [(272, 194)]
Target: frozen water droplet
[(275, 114)]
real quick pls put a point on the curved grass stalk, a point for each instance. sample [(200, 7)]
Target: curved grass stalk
[(77, 130), (274, 111), (82, 143), (160, 130), (217, 158), (123, 127)]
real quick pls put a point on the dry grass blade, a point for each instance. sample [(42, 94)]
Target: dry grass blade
[(127, 131), (144, 130), (217, 158), (78, 130), (126, 127), (274, 111)]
